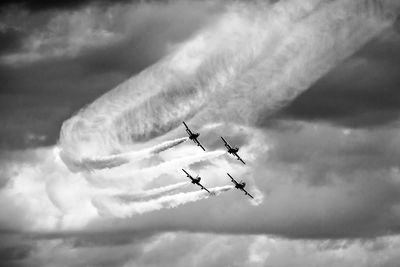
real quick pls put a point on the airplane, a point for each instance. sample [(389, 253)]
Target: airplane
[(232, 150), (240, 185), (193, 136), (195, 180)]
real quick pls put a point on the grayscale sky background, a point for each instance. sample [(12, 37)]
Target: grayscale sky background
[(325, 160)]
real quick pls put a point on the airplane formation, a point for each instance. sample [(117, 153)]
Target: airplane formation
[(231, 150)]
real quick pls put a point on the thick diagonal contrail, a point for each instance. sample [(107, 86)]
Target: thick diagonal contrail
[(248, 63)]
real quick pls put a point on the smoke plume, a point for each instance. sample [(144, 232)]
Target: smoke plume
[(115, 208)]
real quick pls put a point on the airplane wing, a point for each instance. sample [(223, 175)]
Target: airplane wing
[(226, 143), (224, 140), (247, 193), (187, 128), (239, 158), (202, 187), (198, 143), (233, 180), (187, 174)]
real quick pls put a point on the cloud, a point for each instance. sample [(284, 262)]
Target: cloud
[(62, 60), (148, 27), (182, 249), (35, 6), (352, 173), (10, 40), (318, 181), (349, 97)]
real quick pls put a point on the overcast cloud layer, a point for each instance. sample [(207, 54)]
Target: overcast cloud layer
[(313, 106)]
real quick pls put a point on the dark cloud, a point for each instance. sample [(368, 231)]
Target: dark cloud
[(108, 239), (14, 249), (183, 249), (76, 250), (38, 5), (38, 98), (396, 25), (361, 92), (14, 253), (169, 249), (10, 40)]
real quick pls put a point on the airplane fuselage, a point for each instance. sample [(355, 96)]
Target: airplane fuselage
[(194, 136), (240, 185), (196, 180), (233, 150)]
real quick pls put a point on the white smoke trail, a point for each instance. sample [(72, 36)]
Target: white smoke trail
[(255, 58), (152, 193), (126, 176), (113, 161), (115, 208)]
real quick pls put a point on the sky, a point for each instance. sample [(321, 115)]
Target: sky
[(93, 94)]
